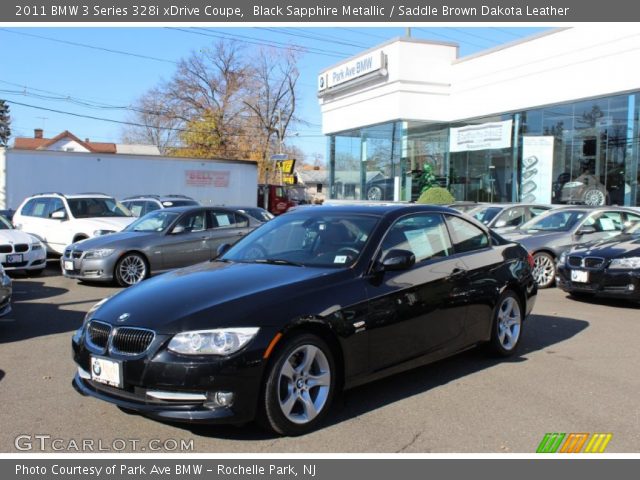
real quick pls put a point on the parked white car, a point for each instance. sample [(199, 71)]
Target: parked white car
[(59, 220), (21, 251)]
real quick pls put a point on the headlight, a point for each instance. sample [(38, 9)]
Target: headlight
[(99, 253), (223, 341), (92, 310), (97, 233), (628, 263), (563, 258)]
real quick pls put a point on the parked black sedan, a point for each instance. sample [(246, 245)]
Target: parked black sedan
[(314, 301), (609, 268)]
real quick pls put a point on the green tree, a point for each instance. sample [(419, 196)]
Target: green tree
[(5, 122)]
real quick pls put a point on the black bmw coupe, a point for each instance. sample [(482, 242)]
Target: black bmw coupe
[(314, 301)]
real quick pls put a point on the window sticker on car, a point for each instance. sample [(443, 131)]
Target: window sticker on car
[(223, 219), (340, 259)]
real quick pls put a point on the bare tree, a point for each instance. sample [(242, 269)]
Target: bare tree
[(160, 126), (273, 98)]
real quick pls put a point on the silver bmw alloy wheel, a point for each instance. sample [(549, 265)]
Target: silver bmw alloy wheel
[(544, 269), (509, 323), (132, 269), (304, 382)]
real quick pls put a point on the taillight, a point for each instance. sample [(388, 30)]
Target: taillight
[(530, 259)]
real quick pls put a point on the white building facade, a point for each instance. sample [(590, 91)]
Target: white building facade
[(550, 119)]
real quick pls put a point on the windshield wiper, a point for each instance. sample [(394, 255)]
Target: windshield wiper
[(278, 261)]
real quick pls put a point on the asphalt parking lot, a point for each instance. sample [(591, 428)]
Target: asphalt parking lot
[(577, 371)]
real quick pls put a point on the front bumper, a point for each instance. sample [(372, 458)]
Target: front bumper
[(623, 284), (96, 269), (30, 260), (160, 371)]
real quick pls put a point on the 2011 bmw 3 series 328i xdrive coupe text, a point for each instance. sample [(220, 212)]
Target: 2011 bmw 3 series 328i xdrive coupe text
[(318, 300)]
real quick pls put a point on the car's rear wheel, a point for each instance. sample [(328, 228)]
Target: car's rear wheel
[(35, 273), (374, 193), (132, 268), (507, 324), (300, 386), (544, 269)]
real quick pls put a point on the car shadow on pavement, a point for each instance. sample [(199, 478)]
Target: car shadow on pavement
[(539, 332), (1, 375), (31, 318)]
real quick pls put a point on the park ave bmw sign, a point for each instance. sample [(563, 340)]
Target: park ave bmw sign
[(356, 68)]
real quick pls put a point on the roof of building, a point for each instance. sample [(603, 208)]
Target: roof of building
[(41, 143)]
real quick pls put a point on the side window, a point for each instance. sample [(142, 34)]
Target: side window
[(631, 219), (606, 222), (425, 235), (136, 208), (512, 217), (55, 205), (150, 207), (193, 222), (222, 219), (466, 236)]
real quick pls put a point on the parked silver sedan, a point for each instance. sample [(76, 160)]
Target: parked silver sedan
[(159, 241)]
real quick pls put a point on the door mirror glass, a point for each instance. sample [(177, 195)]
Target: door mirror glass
[(586, 230), (398, 260), (501, 223), (178, 229), (59, 215)]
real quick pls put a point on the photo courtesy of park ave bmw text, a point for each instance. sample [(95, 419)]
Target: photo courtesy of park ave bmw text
[(318, 239)]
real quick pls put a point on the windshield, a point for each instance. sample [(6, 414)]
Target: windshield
[(555, 221), (633, 229), (322, 240), (97, 207), (5, 224), (485, 214), (156, 221)]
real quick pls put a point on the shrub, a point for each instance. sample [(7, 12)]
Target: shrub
[(436, 196)]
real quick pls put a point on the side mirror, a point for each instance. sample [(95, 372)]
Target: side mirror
[(59, 215), (501, 223), (222, 249), (398, 260), (586, 230), (178, 229)]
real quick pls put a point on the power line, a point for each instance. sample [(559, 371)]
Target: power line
[(254, 41), (133, 124), (448, 37), (467, 32), (504, 30), (94, 47), (303, 34), (366, 34)]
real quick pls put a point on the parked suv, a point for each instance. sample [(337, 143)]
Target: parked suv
[(140, 205), (59, 220)]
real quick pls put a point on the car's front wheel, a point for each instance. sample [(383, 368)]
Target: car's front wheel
[(132, 268), (544, 269), (300, 386), (507, 324)]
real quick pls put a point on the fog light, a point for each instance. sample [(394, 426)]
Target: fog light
[(631, 287), (219, 399)]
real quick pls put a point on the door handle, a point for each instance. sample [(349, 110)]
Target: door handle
[(457, 273)]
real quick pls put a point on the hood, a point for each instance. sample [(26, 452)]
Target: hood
[(114, 240), (531, 239), (16, 236), (104, 223), (214, 294), (622, 245)]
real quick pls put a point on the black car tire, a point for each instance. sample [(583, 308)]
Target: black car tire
[(35, 273), (272, 415), (547, 262), (125, 280), (508, 309), (581, 295)]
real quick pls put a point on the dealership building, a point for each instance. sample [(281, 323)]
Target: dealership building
[(552, 118)]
